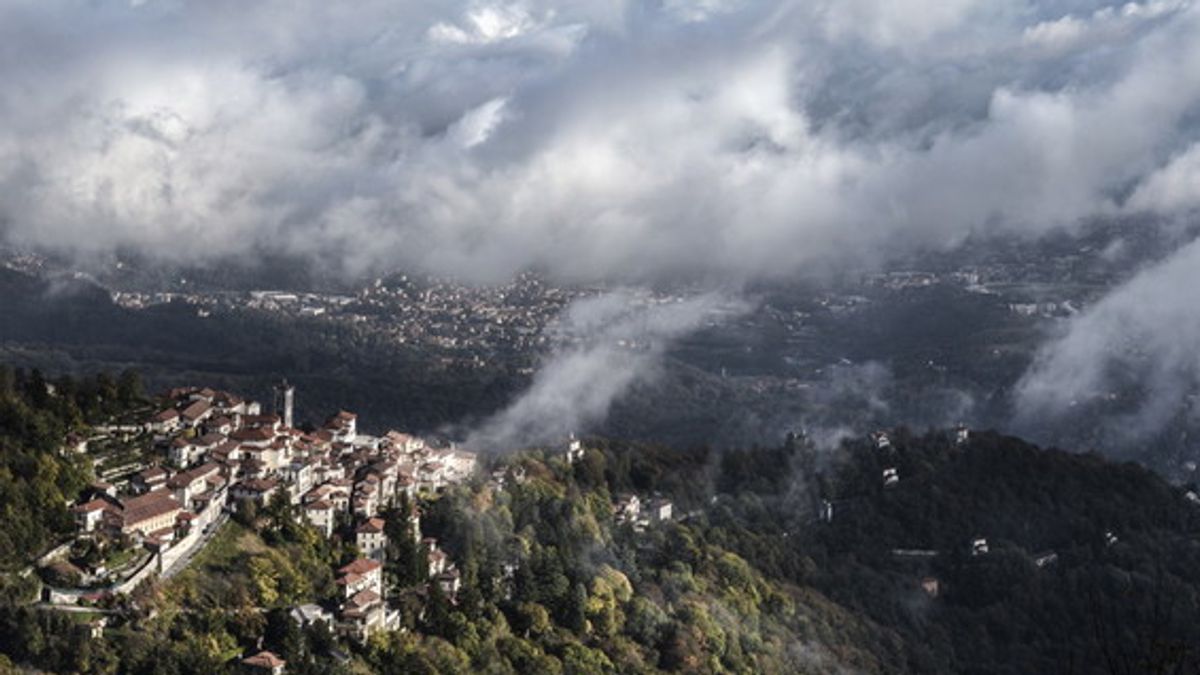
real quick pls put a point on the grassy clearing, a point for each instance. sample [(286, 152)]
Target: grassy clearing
[(230, 543), (214, 575)]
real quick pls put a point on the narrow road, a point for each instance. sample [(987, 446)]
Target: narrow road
[(186, 559), (74, 609)]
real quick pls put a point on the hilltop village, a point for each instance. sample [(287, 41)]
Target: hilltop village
[(221, 455), (215, 456)]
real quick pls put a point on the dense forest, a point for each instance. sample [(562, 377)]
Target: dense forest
[(1089, 566), (981, 555), (38, 474)]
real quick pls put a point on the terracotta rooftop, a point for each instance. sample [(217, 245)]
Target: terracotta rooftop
[(208, 440), (195, 410), (365, 597), (93, 505), (180, 392), (139, 509), (371, 526), (360, 566), (166, 415), (260, 484), (254, 434), (264, 659), (260, 420), (186, 478)]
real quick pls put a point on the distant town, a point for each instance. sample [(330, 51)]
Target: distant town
[(465, 324)]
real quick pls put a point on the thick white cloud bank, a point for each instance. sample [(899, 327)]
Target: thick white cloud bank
[(1143, 334), (615, 140), (592, 139)]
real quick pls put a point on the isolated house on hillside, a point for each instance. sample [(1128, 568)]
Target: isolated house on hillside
[(882, 440), (574, 449), (962, 434), (979, 546), (264, 662)]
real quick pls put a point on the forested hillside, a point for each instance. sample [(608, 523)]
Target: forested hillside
[(38, 473), (977, 555), (1089, 566)]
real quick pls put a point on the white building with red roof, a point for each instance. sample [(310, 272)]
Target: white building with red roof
[(89, 515), (371, 539), (258, 490), (195, 413), (343, 426), (364, 614), (188, 485), (361, 575), (152, 478), (320, 514), (165, 422)]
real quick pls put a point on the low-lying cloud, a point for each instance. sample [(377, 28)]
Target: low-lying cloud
[(609, 343), (1135, 351), (593, 140)]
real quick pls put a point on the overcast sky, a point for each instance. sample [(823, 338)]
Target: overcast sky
[(593, 138), (609, 140)]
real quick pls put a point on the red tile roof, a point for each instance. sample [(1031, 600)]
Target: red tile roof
[(360, 566), (186, 478), (196, 410), (260, 485), (93, 505), (166, 415), (371, 526), (260, 420), (264, 659), (254, 434), (137, 510)]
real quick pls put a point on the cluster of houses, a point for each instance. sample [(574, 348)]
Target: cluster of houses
[(161, 509), (222, 452)]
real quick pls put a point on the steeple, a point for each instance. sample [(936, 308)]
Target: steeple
[(285, 396)]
